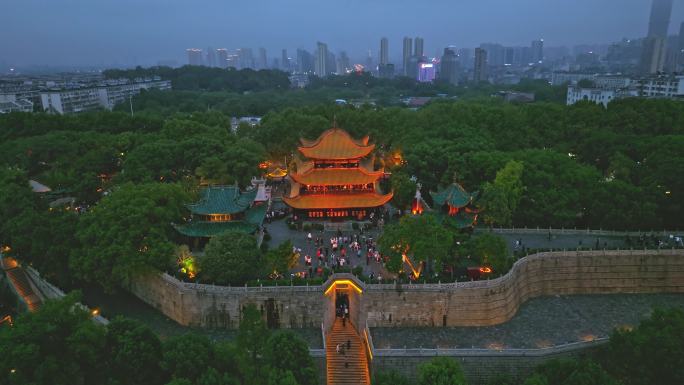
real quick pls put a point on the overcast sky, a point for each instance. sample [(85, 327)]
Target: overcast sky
[(105, 32)]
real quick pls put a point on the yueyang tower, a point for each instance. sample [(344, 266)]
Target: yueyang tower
[(334, 178)]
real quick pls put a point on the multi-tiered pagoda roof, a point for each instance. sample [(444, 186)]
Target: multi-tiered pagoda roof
[(334, 177), (455, 205), (223, 208)]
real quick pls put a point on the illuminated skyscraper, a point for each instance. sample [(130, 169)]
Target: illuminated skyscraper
[(426, 72), (406, 54), (194, 56)]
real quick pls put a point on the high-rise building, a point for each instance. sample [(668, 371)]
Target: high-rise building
[(331, 64), (480, 68), (194, 56), (305, 62), (211, 57), (284, 61), (321, 59), (418, 50), (449, 66), (406, 55), (466, 57), (222, 57), (496, 54), (426, 72), (660, 18), (537, 51), (384, 51), (654, 49), (246, 59), (263, 59), (343, 63)]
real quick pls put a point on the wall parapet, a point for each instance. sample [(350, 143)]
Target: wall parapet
[(468, 303)]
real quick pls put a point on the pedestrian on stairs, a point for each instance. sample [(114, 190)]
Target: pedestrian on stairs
[(348, 344)]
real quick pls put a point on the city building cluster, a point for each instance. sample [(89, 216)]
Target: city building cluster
[(71, 93)]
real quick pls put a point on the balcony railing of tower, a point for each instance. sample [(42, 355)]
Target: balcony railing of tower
[(343, 164), (337, 189)]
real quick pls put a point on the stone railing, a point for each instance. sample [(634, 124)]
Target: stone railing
[(574, 231), (470, 352)]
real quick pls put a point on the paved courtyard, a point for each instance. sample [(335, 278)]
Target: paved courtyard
[(281, 233), (540, 322)]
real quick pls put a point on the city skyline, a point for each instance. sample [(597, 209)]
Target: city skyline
[(128, 38)]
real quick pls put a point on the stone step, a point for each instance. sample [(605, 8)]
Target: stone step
[(350, 367)]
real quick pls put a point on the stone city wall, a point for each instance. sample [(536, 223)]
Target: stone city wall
[(478, 303), (221, 306), (495, 301)]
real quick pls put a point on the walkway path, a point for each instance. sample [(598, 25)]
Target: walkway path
[(21, 284), (350, 366)]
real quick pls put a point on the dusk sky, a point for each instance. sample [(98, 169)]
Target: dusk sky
[(105, 32)]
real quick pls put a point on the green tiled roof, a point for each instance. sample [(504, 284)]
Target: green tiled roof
[(222, 200), (454, 194), (211, 229), (256, 214)]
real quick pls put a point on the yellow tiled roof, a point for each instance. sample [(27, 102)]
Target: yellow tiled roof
[(338, 201), (335, 144)]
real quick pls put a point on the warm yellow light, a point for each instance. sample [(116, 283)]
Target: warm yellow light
[(95, 312), (343, 282), (370, 353)]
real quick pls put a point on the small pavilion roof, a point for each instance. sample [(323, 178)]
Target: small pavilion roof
[(337, 201), (223, 200), (336, 144), (336, 176), (453, 195)]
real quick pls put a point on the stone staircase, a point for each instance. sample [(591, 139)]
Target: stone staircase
[(21, 284), (350, 367)]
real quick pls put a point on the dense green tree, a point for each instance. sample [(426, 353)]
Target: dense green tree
[(187, 356), (421, 238), (490, 250), (251, 346), (441, 371), (281, 259), (390, 378), (230, 258), (501, 197), (653, 353), (404, 190), (133, 353), (286, 352), (128, 232), (20, 209), (57, 345)]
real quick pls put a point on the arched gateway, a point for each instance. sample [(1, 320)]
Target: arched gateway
[(346, 344)]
